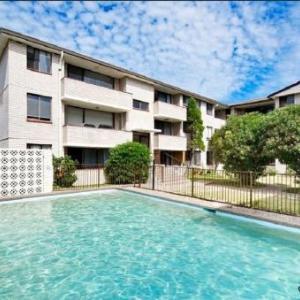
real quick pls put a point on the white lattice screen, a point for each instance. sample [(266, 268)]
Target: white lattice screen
[(25, 172)]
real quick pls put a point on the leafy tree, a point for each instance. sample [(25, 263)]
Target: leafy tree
[(195, 127), (283, 136), (128, 163), (240, 145), (64, 171)]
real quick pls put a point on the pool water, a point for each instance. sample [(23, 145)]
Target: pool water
[(122, 245)]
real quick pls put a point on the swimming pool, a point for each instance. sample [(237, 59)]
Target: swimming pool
[(122, 245)]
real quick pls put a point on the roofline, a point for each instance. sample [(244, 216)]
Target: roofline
[(9, 32), (249, 102), (283, 89)]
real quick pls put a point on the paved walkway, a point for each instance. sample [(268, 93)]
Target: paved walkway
[(224, 207)]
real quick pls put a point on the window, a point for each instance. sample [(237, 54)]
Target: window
[(39, 146), (209, 132), (137, 104), (209, 109), (89, 157), (90, 77), (186, 100), (89, 118), (209, 158), (38, 60), (165, 127), (186, 128), (164, 97), (141, 137), (38, 107), (286, 100)]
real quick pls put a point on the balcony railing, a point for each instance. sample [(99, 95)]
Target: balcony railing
[(79, 92), (168, 111), (170, 142)]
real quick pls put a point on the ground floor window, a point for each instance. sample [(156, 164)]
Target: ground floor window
[(88, 157), (142, 138), (39, 146)]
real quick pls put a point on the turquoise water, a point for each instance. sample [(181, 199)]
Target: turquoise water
[(120, 245)]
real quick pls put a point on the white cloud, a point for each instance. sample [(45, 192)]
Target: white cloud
[(225, 50)]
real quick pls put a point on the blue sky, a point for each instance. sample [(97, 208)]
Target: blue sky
[(229, 51)]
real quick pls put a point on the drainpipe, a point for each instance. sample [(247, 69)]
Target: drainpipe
[(60, 105)]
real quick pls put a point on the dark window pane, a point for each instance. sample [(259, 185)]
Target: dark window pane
[(209, 158), (33, 106), (75, 72), (98, 79), (140, 105), (32, 58), (45, 108), (209, 109), (164, 97)]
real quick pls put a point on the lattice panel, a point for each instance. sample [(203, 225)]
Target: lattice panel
[(21, 172)]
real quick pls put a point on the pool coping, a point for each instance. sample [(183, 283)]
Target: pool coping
[(275, 218), (271, 217)]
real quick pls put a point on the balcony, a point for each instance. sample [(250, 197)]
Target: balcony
[(78, 136), (170, 142), (169, 112), (76, 92)]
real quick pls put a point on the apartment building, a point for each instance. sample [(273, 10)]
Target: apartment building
[(287, 96), (54, 98)]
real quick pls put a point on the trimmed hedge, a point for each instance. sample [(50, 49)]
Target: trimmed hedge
[(128, 163)]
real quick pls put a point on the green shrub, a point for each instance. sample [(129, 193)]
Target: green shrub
[(128, 163), (64, 171)]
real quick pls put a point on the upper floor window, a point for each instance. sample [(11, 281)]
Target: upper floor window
[(164, 97), (141, 105), (39, 60), (186, 100), (165, 127), (38, 107), (286, 100), (209, 132), (89, 118), (90, 77), (209, 109)]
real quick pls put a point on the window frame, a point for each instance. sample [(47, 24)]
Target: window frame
[(38, 69), (209, 129), (170, 101), (208, 110), (83, 76), (140, 105), (286, 100), (211, 161), (39, 118)]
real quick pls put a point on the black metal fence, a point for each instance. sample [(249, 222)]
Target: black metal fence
[(270, 192), (86, 177)]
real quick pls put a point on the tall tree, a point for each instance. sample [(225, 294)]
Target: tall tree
[(195, 127), (241, 144), (283, 136)]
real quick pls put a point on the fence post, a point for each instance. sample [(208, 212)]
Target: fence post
[(153, 176), (251, 188), (193, 180), (99, 181)]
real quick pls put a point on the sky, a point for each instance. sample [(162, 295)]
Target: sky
[(228, 51)]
